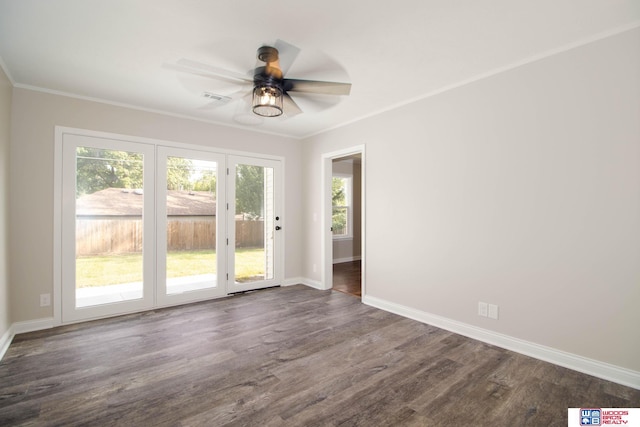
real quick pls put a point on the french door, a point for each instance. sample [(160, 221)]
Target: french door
[(191, 237), (108, 241), (255, 224), (146, 225)]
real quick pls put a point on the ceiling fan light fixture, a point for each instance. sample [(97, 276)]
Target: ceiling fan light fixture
[(267, 101)]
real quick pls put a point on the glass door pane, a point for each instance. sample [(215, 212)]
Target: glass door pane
[(109, 234), (107, 226), (255, 224), (189, 187)]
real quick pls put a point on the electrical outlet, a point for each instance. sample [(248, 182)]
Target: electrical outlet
[(483, 309), (493, 311), (45, 300)]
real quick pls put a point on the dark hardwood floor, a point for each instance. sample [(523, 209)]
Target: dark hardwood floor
[(290, 356), (347, 278)]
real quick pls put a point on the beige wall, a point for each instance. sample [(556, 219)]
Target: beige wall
[(5, 121), (35, 115), (523, 190)]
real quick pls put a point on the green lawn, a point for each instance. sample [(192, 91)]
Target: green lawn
[(115, 269)]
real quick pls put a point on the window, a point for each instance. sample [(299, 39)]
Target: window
[(341, 196)]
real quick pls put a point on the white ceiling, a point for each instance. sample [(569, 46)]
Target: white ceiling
[(391, 51)]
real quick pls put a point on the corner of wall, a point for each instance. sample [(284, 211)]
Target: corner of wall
[(6, 94)]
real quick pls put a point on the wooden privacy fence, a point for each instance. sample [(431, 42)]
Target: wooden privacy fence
[(124, 235)]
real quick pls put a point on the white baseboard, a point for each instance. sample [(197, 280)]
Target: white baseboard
[(575, 362), (312, 284), (302, 281), (33, 325), (5, 341), (292, 281), (347, 259)]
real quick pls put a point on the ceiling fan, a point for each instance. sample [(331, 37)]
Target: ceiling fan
[(270, 86)]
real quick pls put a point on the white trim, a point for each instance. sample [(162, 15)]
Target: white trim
[(326, 218), (33, 325), (5, 341), (57, 224), (572, 361), (312, 283), (148, 110), (346, 259), (292, 281), (62, 130)]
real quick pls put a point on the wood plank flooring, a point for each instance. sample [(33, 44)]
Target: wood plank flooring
[(347, 278), (290, 356)]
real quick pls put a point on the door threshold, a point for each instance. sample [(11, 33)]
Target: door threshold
[(253, 290)]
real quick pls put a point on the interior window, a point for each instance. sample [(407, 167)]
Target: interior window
[(341, 196)]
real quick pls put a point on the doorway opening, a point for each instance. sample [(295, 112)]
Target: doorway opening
[(343, 208)]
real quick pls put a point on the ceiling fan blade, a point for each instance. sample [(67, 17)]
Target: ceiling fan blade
[(291, 109), (314, 102), (199, 67), (287, 54), (315, 86)]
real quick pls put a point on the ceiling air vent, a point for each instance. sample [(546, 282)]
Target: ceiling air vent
[(214, 97)]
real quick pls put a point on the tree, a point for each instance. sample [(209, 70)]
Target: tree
[(97, 169), (339, 202), (338, 193), (179, 172), (250, 191), (207, 182)]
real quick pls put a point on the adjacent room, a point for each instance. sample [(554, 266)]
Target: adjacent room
[(339, 213)]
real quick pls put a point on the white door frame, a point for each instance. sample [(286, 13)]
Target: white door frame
[(326, 214)]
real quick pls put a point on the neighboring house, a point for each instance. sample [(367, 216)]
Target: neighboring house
[(121, 202), (106, 220)]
